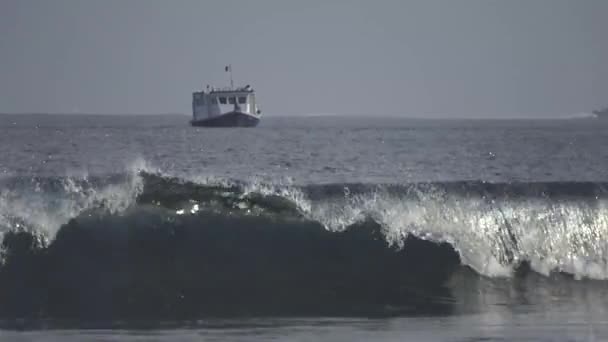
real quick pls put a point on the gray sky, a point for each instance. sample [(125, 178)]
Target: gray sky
[(397, 57)]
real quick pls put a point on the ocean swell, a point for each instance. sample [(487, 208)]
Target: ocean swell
[(147, 243)]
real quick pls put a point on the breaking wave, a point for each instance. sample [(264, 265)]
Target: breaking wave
[(144, 242)]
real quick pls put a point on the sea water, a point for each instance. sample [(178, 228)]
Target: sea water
[(309, 228)]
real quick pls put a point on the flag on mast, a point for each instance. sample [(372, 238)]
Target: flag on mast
[(228, 68)]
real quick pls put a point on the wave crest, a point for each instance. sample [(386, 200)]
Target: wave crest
[(494, 227)]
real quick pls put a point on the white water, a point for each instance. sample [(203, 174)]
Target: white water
[(34, 210)]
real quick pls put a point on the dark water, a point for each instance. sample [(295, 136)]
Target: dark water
[(141, 227)]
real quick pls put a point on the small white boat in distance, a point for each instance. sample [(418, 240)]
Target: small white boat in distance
[(225, 107)]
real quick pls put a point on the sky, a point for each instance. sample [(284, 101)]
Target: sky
[(423, 58)]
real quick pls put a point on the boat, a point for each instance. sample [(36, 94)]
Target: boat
[(601, 114), (225, 107)]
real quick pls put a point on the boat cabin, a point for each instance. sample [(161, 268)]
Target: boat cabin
[(215, 102)]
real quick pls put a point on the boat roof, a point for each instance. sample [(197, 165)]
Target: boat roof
[(247, 89), (221, 91)]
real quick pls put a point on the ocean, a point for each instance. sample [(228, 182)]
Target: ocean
[(140, 227)]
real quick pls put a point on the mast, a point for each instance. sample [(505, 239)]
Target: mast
[(229, 69)]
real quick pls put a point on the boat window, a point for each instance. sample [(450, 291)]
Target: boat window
[(242, 99), (232, 100), (222, 100)]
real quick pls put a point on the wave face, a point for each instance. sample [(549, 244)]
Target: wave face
[(145, 244)]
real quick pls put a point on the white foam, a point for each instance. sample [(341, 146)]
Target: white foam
[(44, 213)]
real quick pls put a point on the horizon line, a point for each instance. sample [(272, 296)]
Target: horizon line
[(435, 116)]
